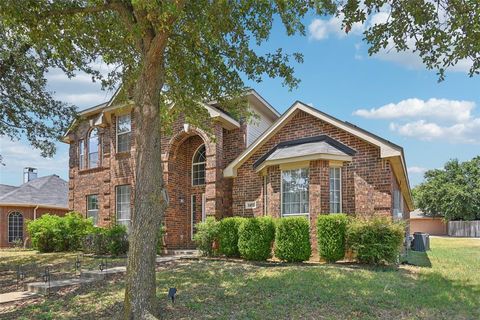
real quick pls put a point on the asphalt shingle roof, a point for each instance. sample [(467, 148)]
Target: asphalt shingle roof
[(50, 190)]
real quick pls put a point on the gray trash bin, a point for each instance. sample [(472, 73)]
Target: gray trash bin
[(421, 241)]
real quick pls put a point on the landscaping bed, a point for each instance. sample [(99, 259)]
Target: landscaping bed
[(447, 286)]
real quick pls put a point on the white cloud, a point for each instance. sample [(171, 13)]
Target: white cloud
[(467, 132), (84, 99), (442, 109), (433, 119), (19, 154), (416, 170), (321, 29)]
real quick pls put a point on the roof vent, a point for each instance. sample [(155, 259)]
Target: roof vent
[(29, 174)]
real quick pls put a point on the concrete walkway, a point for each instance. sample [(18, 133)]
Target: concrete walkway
[(15, 296)]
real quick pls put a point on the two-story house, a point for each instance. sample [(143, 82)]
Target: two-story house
[(299, 163)]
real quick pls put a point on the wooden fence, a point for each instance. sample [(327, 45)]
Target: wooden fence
[(464, 229)]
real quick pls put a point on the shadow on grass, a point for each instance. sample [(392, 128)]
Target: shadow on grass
[(213, 289), (419, 259)]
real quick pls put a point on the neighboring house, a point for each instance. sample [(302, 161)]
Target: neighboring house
[(28, 202), (432, 225), (301, 163)]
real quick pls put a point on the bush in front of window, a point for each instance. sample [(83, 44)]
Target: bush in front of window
[(331, 234), (206, 235), (112, 241), (228, 236), (51, 233), (375, 241), (292, 239), (255, 238)]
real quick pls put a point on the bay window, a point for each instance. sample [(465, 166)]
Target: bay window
[(295, 185), (335, 190)]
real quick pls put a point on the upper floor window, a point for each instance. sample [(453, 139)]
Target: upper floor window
[(335, 190), (81, 154), (93, 149), (92, 208), (124, 128), (198, 166), (15, 227), (295, 185)]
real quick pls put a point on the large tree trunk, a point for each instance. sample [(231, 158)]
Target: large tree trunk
[(151, 198)]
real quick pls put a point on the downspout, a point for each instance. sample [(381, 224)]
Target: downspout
[(35, 212)]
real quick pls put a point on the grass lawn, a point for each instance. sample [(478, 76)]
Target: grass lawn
[(446, 287)]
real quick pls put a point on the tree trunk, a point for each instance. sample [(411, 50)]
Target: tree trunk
[(150, 197)]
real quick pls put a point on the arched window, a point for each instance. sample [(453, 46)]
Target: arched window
[(93, 147), (15, 227), (198, 166)]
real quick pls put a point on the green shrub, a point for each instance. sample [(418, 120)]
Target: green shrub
[(228, 236), (255, 237), (51, 233), (117, 240), (292, 239), (113, 241), (206, 235), (375, 241), (331, 234)]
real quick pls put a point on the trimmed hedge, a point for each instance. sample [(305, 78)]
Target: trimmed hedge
[(292, 239), (51, 233), (331, 233), (228, 236), (206, 235), (255, 237), (376, 241)]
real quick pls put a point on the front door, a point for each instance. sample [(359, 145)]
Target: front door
[(196, 214)]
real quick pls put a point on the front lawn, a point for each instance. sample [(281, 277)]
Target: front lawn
[(447, 287)]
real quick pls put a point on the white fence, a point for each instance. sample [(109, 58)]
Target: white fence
[(464, 229)]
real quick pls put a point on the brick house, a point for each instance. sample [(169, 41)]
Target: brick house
[(29, 201), (303, 162)]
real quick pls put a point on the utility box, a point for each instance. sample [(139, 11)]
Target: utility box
[(421, 241)]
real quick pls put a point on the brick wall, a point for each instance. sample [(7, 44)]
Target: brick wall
[(366, 181), (28, 214)]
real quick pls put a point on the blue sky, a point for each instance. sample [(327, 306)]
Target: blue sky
[(390, 94)]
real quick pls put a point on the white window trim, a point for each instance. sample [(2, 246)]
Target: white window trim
[(341, 186), (81, 154), (116, 203), (8, 225), (99, 161), (307, 214), (198, 163), (117, 134), (91, 210)]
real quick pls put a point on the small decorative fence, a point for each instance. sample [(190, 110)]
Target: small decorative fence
[(464, 229), (15, 277)]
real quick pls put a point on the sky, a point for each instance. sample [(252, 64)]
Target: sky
[(390, 94)]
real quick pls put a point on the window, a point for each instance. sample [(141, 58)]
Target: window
[(295, 192), (124, 127), (397, 204), (81, 154), (92, 207), (123, 205), (93, 144), (335, 190), (265, 195), (15, 227), (198, 166)]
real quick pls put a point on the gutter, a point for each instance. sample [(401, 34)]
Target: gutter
[(35, 212)]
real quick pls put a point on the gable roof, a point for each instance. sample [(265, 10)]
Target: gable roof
[(48, 191), (388, 150)]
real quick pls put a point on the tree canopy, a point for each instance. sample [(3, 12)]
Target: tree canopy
[(187, 52), (452, 192)]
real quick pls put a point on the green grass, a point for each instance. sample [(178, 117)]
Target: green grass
[(447, 287)]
